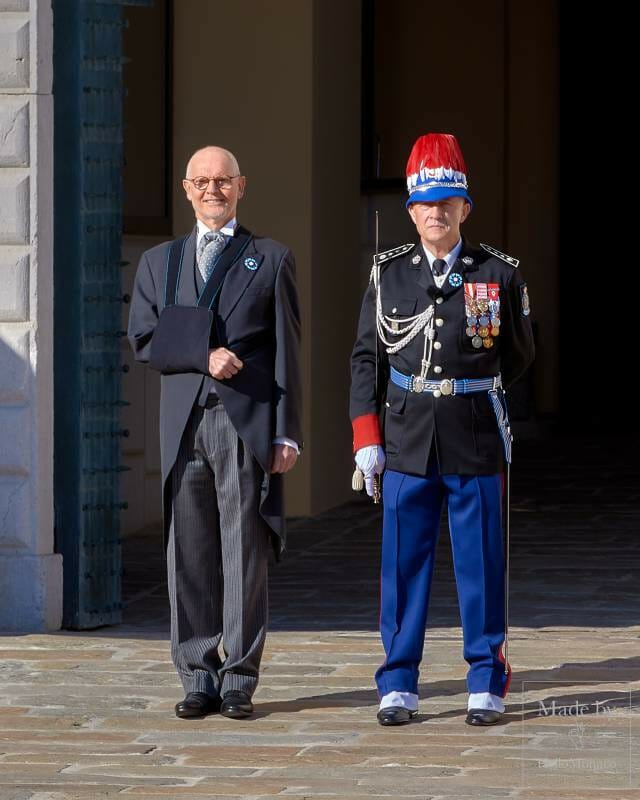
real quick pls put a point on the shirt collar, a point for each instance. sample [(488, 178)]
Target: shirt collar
[(228, 230), (450, 258)]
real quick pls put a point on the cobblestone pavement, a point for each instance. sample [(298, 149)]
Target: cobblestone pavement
[(89, 715)]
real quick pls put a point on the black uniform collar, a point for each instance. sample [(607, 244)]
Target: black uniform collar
[(468, 261), (469, 258)]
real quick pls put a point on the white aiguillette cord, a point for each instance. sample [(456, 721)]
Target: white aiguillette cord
[(407, 328)]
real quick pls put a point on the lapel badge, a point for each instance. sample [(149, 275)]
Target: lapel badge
[(251, 263), (455, 279), (467, 260), (416, 259)]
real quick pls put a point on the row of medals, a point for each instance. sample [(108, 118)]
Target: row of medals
[(483, 322)]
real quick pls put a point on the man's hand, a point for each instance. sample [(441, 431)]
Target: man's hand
[(283, 458), (223, 363), (370, 460)]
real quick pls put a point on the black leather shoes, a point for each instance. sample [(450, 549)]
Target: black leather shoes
[(483, 716), (395, 715), (196, 705), (236, 705)]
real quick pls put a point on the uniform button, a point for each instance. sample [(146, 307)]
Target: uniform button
[(394, 310), (439, 300), (439, 322), (388, 405), (437, 370), (437, 345), (437, 393)]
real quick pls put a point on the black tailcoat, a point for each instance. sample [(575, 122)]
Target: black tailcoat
[(258, 318)]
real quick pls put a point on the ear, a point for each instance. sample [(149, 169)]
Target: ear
[(466, 210), (412, 214), (242, 185), (187, 189)]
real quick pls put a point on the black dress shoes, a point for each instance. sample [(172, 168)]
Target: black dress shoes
[(196, 705), (236, 705), (395, 715), (483, 716)]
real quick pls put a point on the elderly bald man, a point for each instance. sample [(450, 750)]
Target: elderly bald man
[(216, 312)]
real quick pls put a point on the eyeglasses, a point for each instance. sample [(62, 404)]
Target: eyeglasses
[(223, 182)]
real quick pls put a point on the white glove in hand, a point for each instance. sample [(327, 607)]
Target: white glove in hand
[(370, 460)]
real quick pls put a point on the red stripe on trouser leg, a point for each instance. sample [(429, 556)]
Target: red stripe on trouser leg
[(509, 671), (366, 431), (501, 657)]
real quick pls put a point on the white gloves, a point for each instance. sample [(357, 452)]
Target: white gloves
[(370, 460)]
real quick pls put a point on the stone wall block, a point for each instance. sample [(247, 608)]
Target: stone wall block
[(15, 524), (14, 284), (14, 132), (14, 51), (15, 373), (14, 206)]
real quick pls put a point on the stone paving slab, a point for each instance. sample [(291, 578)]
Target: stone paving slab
[(89, 715)]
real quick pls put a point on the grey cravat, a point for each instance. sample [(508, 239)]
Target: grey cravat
[(209, 248)]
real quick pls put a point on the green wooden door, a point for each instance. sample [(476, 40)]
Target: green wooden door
[(88, 299)]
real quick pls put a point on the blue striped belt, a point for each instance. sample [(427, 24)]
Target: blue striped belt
[(493, 386), (414, 383)]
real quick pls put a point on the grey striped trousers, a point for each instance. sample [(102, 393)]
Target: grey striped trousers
[(217, 558)]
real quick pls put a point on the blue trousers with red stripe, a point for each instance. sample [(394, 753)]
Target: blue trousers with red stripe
[(412, 509)]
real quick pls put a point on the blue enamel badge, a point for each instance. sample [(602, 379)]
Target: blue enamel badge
[(455, 279), (251, 263)]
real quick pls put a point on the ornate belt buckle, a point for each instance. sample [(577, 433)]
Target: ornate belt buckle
[(417, 385), (446, 386)]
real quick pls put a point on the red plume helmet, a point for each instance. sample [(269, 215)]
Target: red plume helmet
[(436, 169)]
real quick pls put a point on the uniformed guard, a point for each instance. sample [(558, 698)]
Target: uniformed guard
[(444, 328)]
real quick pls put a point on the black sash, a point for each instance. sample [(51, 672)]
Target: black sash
[(181, 338)]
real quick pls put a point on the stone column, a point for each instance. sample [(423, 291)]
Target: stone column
[(30, 572)]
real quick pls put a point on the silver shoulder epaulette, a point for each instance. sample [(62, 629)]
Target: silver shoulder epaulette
[(393, 253), (509, 259)]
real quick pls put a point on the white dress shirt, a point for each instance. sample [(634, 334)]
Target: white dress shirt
[(450, 260), (229, 229)]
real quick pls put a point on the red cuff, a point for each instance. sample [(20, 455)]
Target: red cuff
[(366, 431)]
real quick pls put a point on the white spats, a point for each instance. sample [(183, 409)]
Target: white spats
[(406, 700), (486, 701)]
